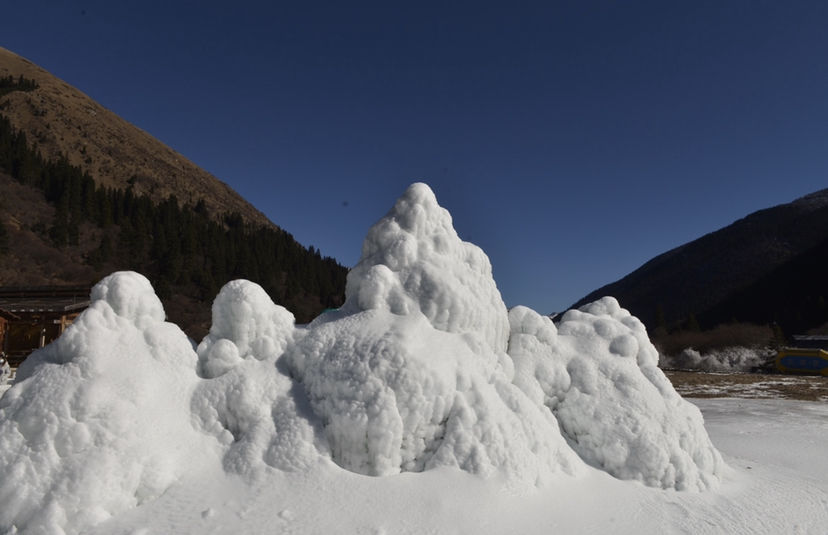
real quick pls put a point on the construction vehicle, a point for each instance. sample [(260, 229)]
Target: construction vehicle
[(808, 355)]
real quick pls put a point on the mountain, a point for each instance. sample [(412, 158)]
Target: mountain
[(65, 122), (764, 268), (84, 193)]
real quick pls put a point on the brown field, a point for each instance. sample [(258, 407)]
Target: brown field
[(749, 385)]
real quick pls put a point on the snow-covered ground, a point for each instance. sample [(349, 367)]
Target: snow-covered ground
[(423, 405), (777, 483)]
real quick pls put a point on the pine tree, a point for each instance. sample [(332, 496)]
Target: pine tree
[(4, 239)]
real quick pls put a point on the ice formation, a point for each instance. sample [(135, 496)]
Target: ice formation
[(253, 409), (5, 371), (412, 372), (598, 373), (246, 324), (423, 367), (97, 422), (413, 261)]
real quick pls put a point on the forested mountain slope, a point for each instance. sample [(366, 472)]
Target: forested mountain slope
[(62, 224), (64, 122)]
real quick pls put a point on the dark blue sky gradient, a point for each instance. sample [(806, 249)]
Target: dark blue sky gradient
[(573, 141)]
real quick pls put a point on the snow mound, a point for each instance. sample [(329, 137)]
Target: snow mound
[(598, 374), (398, 395), (5, 372), (422, 368), (246, 324), (253, 409), (92, 425), (412, 373)]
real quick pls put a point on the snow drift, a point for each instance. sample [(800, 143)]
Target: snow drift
[(423, 367)]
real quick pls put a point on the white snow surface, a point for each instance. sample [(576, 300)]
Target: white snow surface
[(413, 261), (412, 373), (97, 422), (123, 424), (598, 374), (246, 324), (5, 372), (251, 408), (776, 482)]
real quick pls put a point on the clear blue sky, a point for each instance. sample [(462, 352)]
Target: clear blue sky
[(573, 141)]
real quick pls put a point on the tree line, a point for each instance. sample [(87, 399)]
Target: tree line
[(10, 83)]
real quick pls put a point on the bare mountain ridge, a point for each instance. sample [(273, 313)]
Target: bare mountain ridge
[(64, 121), (698, 277)]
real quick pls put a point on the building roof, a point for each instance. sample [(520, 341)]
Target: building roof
[(804, 337), (813, 341), (20, 300)]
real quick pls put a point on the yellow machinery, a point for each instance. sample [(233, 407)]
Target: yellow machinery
[(802, 360)]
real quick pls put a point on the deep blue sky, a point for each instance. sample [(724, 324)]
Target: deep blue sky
[(573, 141)]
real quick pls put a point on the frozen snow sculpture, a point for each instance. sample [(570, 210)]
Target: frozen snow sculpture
[(540, 371), (248, 404), (246, 324), (413, 261), (96, 422), (598, 374), (412, 373), (5, 370)]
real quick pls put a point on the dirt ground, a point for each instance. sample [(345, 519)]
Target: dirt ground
[(749, 385)]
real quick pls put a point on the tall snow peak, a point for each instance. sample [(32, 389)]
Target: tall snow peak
[(414, 261), (412, 373)]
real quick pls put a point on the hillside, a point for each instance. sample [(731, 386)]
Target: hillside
[(115, 153), (752, 270), (31, 260), (792, 295), (64, 222)]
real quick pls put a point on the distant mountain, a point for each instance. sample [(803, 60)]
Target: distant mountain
[(84, 193), (767, 267)]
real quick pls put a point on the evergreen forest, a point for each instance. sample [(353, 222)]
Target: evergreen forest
[(181, 248)]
